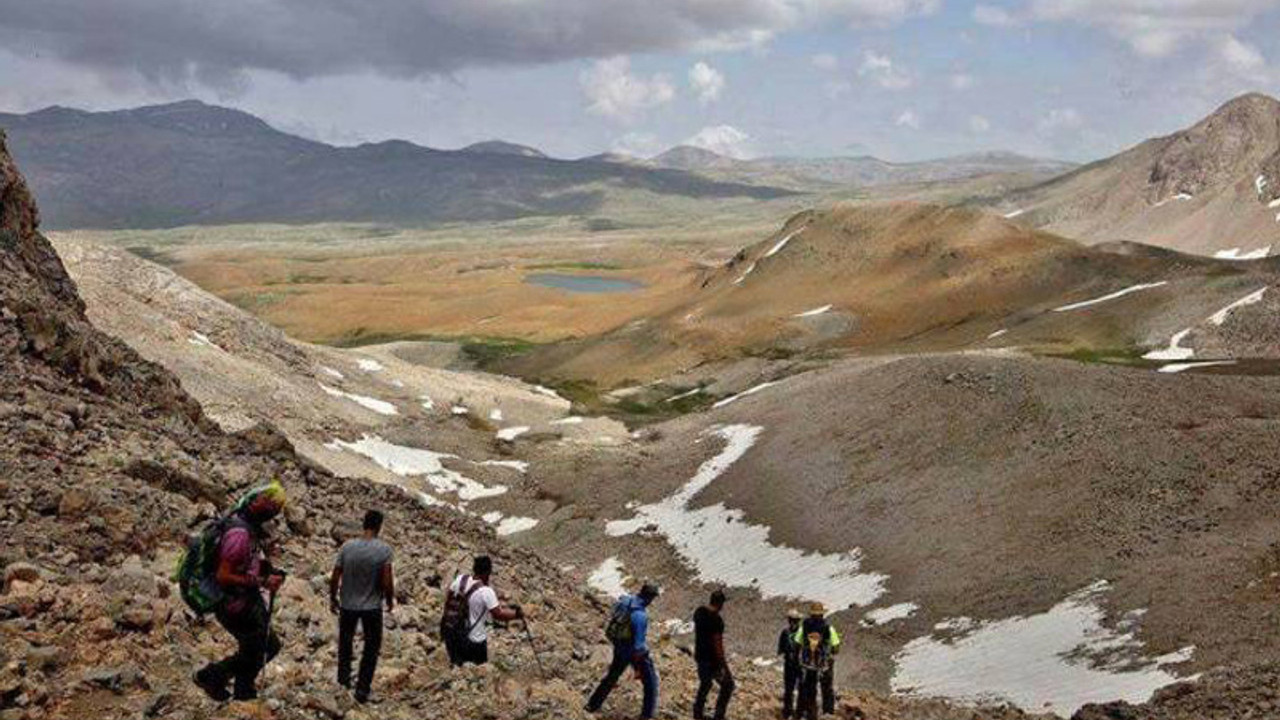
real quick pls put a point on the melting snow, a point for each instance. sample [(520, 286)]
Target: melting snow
[(495, 415), (745, 393), (571, 420), (1112, 296), (781, 244), (416, 462), (1237, 254), (459, 410), (1253, 298), (517, 465), (1274, 204), (1014, 214), (512, 433), (369, 365), (1175, 351), (1058, 661), (509, 524), (750, 269), (546, 391), (608, 578), (721, 547), (427, 403), (1261, 184), (1182, 367), (683, 395), (382, 407), (901, 611), (997, 333), (1180, 196), (815, 311), (198, 338), (332, 373)]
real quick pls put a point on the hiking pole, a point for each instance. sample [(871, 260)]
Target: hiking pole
[(534, 646)]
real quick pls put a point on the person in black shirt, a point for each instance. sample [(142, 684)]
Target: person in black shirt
[(708, 629), (789, 649)]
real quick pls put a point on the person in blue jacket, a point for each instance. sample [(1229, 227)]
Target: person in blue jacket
[(632, 649)]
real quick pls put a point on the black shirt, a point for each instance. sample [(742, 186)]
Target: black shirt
[(706, 626)]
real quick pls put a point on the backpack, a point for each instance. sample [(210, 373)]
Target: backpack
[(618, 630), (455, 620), (197, 572), (815, 651)]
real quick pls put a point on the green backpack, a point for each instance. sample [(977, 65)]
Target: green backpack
[(197, 572), (618, 630)]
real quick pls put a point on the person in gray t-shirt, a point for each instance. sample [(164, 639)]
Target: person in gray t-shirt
[(361, 582)]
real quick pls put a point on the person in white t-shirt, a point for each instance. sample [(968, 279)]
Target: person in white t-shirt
[(482, 606)]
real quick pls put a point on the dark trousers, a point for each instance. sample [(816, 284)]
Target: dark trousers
[(462, 651), (810, 682), (256, 645), (622, 659), (709, 673), (370, 622), (790, 681)]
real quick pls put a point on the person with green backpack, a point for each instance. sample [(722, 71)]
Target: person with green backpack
[(627, 630), (225, 571)]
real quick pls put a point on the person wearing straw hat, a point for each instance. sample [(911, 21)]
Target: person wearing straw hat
[(789, 650), (819, 643)]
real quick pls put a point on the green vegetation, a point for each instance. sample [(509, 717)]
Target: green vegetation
[(486, 352), (568, 265), (1130, 356)]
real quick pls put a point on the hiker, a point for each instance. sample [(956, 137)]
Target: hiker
[(627, 630), (789, 649), (708, 629), (468, 606), (242, 574), (362, 580), (819, 642)]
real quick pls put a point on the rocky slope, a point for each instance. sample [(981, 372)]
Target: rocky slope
[(108, 463), (1209, 189)]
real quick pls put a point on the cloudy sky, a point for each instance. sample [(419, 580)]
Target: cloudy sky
[(901, 79)]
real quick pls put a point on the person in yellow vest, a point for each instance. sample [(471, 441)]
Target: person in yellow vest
[(819, 643)]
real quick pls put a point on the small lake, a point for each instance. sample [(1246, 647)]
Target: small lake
[(583, 283)]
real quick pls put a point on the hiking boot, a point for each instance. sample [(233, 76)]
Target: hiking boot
[(362, 697), (245, 695), (213, 683)]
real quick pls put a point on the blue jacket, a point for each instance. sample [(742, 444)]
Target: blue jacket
[(639, 622)]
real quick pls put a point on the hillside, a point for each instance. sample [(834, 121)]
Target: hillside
[(1212, 189), (191, 163), (907, 277)]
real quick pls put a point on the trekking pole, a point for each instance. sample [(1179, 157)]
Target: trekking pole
[(534, 646)]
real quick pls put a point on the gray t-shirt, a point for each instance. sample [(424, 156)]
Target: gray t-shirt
[(362, 561)]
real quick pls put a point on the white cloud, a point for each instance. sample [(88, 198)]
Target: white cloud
[(961, 81), (882, 70), (994, 16), (979, 124), (908, 119), (638, 144), (825, 61), (707, 82), (834, 89), (724, 140), (1151, 27), (1241, 56), (614, 92)]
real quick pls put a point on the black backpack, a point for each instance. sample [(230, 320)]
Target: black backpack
[(815, 650), (455, 621)]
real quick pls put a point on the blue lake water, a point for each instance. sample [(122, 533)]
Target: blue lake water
[(583, 283)]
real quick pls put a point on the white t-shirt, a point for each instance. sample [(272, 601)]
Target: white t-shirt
[(482, 602)]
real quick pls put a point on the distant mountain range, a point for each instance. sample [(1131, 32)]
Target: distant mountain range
[(192, 163)]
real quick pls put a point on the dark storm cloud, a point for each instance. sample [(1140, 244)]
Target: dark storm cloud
[(214, 41)]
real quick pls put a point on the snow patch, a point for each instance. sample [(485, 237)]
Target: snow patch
[(745, 393), (495, 415), (721, 547), (1260, 183), (815, 311), (382, 407), (1175, 351), (509, 524), (427, 403), (512, 433), (202, 340), (1014, 214), (419, 462), (997, 333), (750, 269), (781, 244), (1056, 661), (517, 465), (608, 578), (1113, 296), (332, 373), (460, 410), (571, 420), (1174, 368), (683, 395), (1237, 254), (883, 615), (370, 365), (1221, 316)]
